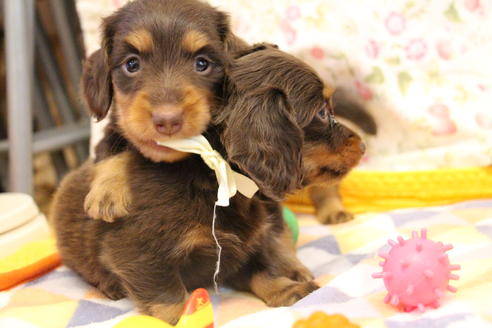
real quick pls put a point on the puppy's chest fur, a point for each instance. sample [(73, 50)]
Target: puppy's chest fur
[(171, 217)]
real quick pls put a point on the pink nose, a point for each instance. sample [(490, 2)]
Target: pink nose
[(167, 123)]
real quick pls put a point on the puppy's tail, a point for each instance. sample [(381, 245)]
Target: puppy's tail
[(353, 112)]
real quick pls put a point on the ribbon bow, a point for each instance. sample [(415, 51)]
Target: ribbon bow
[(229, 181)]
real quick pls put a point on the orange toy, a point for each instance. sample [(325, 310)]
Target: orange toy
[(323, 320), (29, 262)]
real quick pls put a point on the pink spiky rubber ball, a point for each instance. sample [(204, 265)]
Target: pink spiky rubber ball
[(416, 272)]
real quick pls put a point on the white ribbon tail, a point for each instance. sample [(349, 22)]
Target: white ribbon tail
[(225, 191)]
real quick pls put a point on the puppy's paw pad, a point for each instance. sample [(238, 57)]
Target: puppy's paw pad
[(336, 217), (292, 294)]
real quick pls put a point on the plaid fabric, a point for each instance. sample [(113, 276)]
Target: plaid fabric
[(342, 257)]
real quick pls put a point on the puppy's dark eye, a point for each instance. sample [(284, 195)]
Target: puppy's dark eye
[(202, 65), (324, 113), (132, 65), (327, 114)]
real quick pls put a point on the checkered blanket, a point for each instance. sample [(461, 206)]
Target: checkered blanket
[(342, 257)]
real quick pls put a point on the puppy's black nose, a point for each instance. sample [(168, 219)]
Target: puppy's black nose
[(167, 123)]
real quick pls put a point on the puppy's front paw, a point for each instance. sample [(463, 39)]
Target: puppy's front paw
[(301, 274), (291, 293), (109, 197), (328, 205), (102, 203), (334, 217), (112, 290), (170, 313)]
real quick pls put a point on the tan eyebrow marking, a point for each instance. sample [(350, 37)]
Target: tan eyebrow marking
[(141, 39), (194, 40)]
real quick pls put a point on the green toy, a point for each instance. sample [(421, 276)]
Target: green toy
[(291, 220)]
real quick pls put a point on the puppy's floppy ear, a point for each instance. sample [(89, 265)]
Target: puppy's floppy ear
[(263, 140), (96, 76), (96, 85)]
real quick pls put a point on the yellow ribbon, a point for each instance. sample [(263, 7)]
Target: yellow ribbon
[(229, 181)]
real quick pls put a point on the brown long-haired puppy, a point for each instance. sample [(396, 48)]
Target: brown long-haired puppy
[(276, 127)]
